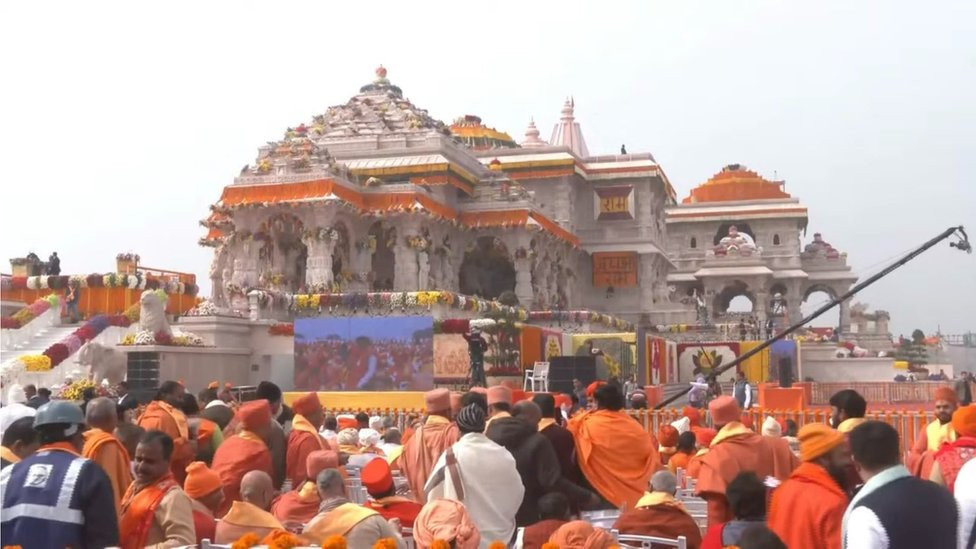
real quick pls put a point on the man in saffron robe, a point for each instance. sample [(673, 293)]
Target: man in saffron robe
[(277, 437), (658, 513), (847, 412), (302, 504), (429, 441), (164, 414), (684, 450), (245, 451), (206, 432), (304, 437), (103, 448), (251, 514), (156, 513), (931, 438), (733, 450), (614, 452), (206, 494), (499, 399), (807, 510), (337, 516), (377, 478), (667, 438), (950, 459)]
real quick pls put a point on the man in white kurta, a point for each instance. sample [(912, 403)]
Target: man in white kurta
[(481, 475)]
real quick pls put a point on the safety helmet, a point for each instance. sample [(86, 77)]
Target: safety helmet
[(59, 412)]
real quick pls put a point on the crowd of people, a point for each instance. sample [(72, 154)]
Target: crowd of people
[(489, 468)]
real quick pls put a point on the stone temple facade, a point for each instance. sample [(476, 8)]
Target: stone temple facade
[(377, 195)]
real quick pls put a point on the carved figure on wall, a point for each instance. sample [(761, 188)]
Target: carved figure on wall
[(736, 243), (423, 275)]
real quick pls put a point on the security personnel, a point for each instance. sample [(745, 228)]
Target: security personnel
[(56, 498)]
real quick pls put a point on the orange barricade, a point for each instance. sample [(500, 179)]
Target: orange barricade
[(109, 301)]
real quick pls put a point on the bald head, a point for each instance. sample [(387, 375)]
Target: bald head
[(664, 481), (330, 484), (527, 411), (101, 414), (256, 489)]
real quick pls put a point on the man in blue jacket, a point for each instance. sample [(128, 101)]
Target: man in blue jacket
[(56, 498)]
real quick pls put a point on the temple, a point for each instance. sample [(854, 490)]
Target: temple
[(376, 195)]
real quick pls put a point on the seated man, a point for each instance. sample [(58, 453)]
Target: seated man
[(337, 516), (250, 515), (554, 510), (658, 513), (747, 500), (377, 478), (302, 504), (446, 521), (206, 495), (685, 449)]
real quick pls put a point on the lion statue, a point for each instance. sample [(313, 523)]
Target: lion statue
[(103, 362), (152, 312)]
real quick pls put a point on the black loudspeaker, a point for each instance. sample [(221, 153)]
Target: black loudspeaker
[(564, 369), (785, 373)]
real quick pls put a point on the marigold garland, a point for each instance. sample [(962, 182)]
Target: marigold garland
[(441, 544), (497, 545), (334, 542), (385, 543), (550, 545), (246, 541), (281, 539)]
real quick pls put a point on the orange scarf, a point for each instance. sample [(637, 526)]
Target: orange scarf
[(139, 511), (299, 423), (339, 521)]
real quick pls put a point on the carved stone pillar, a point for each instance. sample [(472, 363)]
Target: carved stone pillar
[(645, 273), (761, 307), (318, 266), (523, 280), (423, 270), (246, 264), (845, 317), (541, 279)]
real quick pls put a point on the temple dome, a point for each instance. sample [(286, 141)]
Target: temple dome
[(476, 136), (733, 183)]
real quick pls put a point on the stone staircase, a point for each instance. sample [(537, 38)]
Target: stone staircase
[(34, 346)]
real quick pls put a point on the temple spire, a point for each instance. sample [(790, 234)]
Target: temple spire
[(567, 132), (532, 136)]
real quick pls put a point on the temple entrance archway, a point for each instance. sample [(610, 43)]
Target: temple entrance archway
[(381, 240), (735, 300), (723, 231), (487, 269), (286, 254), (815, 297)]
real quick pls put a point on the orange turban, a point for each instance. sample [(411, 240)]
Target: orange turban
[(693, 414), (319, 461), (579, 534), (592, 387), (724, 410), (704, 436), (499, 394), (816, 439), (346, 421), (562, 399), (667, 436), (945, 393), (201, 480), (438, 400), (964, 421), (445, 520), (255, 414), (307, 404), (377, 477), (518, 395)]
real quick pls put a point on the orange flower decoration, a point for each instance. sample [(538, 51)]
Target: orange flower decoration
[(550, 545), (497, 545), (440, 544), (246, 541), (334, 542), (281, 539), (385, 543)]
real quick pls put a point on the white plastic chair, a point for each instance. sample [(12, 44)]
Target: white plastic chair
[(647, 542), (603, 519), (407, 535), (538, 374)]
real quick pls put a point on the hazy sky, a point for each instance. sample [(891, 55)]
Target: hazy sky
[(120, 122)]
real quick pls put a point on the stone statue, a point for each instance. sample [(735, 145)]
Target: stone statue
[(103, 362), (736, 243), (819, 248), (152, 312)]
